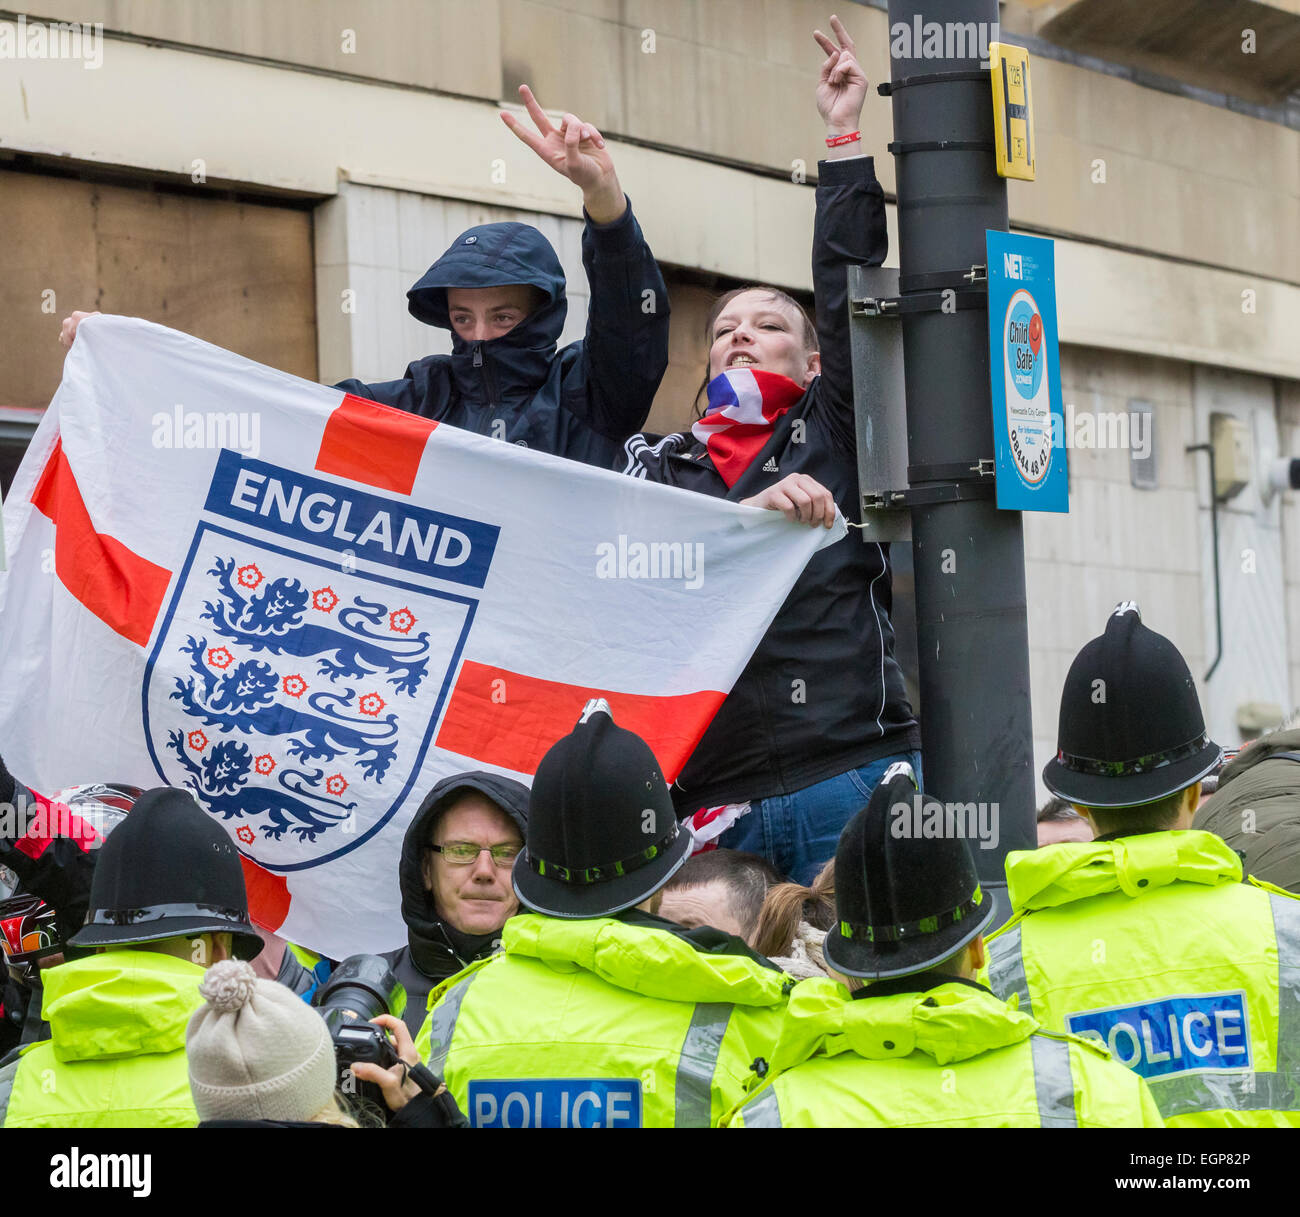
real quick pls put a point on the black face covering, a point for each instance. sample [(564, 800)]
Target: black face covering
[(510, 369)]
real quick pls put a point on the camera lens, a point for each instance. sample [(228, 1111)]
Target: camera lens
[(360, 988)]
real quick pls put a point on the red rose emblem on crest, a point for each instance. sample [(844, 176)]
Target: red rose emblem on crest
[(401, 621)]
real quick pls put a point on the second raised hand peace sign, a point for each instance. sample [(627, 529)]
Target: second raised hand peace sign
[(842, 85), (576, 150)]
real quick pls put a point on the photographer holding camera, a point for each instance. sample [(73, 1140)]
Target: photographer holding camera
[(258, 1056)]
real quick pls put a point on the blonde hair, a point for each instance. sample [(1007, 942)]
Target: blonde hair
[(788, 904), (342, 1113)]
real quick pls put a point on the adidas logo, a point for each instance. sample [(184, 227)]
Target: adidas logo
[(770, 467)]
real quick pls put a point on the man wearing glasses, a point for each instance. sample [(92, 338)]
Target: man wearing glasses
[(455, 880)]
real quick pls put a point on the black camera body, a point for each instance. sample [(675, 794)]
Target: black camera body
[(359, 989), (354, 1042)]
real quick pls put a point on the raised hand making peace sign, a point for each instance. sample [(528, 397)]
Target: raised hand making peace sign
[(842, 85), (576, 150)]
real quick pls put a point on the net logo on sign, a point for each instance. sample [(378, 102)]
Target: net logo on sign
[(1175, 1035), (555, 1103)]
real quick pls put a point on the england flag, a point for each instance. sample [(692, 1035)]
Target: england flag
[(306, 608)]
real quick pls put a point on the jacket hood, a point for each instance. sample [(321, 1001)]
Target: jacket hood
[(950, 1022), (652, 962), (1062, 874), (493, 255), (429, 938), (120, 1003)]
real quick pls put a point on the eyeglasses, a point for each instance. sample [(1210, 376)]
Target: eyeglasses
[(466, 853)]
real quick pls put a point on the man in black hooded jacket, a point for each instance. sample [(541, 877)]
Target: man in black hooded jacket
[(454, 905), (500, 290)]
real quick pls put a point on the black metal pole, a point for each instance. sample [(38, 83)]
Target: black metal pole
[(972, 632)]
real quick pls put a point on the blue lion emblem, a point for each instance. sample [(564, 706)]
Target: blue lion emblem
[(243, 699), (220, 778), (271, 619), (297, 700)]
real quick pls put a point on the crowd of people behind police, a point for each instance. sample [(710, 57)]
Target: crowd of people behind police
[(754, 945)]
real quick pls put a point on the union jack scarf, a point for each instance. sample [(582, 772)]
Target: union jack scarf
[(709, 823), (744, 406)]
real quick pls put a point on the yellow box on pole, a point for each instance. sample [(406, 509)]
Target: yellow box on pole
[(1013, 111)]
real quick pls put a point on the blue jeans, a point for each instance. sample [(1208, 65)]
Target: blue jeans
[(797, 833)]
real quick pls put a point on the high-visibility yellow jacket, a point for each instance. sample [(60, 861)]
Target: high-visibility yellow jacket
[(1154, 946), (116, 1056), (601, 1023), (951, 1056)]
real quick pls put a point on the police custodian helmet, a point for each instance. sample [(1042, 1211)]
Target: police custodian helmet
[(602, 832), (168, 871), (903, 902), (1131, 729)]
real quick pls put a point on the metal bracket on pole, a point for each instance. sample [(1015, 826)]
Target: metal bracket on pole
[(888, 87), (879, 397), (937, 292), (949, 300), (976, 278), (943, 145), (874, 294), (936, 484), (958, 471)]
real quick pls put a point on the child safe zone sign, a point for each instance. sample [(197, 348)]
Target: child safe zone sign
[(1025, 374)]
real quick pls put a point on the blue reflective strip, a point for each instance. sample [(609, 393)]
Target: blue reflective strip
[(697, 1064), (1007, 969), (1053, 1082)]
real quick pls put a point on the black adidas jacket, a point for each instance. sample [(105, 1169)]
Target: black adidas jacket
[(822, 693)]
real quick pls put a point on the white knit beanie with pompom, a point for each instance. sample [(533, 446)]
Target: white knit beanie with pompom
[(256, 1050)]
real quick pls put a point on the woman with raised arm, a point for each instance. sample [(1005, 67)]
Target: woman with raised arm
[(820, 711)]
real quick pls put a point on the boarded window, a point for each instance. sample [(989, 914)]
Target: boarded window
[(235, 273)]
